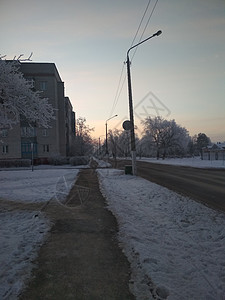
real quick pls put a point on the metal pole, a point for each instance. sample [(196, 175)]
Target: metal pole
[(32, 157), (106, 140), (106, 134), (132, 134)]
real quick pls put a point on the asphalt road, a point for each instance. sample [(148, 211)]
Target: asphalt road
[(204, 185)]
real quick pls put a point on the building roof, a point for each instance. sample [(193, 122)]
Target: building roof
[(217, 146), (40, 69)]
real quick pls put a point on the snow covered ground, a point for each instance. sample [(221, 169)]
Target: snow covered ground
[(196, 162), (175, 245), (37, 186), (21, 236), (21, 231)]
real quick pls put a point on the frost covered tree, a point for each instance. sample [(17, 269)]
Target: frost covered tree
[(119, 143), (114, 145), (124, 143), (145, 147), (167, 136), (18, 99), (202, 141), (84, 144)]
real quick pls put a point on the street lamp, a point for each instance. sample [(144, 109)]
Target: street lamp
[(132, 135), (106, 133)]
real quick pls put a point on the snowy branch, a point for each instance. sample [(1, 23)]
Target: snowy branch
[(18, 99)]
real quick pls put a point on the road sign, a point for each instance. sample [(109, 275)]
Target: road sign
[(127, 125)]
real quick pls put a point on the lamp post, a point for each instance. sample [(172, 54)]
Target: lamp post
[(106, 133), (132, 135), (32, 156)]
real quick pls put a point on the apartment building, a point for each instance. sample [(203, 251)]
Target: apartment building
[(26, 139)]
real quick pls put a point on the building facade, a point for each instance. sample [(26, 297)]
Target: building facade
[(26, 140), (214, 152)]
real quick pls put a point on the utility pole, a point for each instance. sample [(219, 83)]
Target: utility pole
[(132, 133), (106, 135), (106, 139)]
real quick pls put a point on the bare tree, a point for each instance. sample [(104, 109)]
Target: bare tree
[(84, 144), (114, 142), (19, 58)]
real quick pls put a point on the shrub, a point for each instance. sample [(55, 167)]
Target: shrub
[(79, 160), (58, 160), (16, 163)]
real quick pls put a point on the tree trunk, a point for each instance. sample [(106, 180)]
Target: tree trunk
[(157, 153)]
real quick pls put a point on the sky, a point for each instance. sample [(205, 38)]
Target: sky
[(178, 75)]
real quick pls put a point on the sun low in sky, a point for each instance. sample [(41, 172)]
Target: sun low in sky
[(179, 75)]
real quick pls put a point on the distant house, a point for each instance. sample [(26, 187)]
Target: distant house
[(214, 152), (23, 139)]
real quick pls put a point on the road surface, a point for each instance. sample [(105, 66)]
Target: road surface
[(204, 185)]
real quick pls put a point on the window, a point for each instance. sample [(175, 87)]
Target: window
[(45, 132), (26, 148), (28, 131), (43, 85), (5, 149), (3, 132), (45, 148)]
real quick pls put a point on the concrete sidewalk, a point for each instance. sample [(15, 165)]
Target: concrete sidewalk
[(81, 258)]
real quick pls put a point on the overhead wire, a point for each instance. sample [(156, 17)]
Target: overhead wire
[(140, 23), (120, 88), (146, 25), (123, 78), (118, 92)]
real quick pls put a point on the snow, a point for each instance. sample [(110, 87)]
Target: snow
[(196, 162), (175, 245), (22, 232), (102, 163), (37, 186), (21, 236)]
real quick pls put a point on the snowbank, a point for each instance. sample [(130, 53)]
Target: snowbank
[(196, 162), (175, 245), (37, 186), (102, 163), (22, 232)]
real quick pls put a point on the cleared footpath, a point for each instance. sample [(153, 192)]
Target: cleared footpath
[(81, 258)]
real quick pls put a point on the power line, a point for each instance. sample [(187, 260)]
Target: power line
[(153, 9), (140, 23), (120, 86), (118, 92), (119, 89)]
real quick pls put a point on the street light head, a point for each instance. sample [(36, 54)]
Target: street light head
[(158, 33), (111, 118)]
